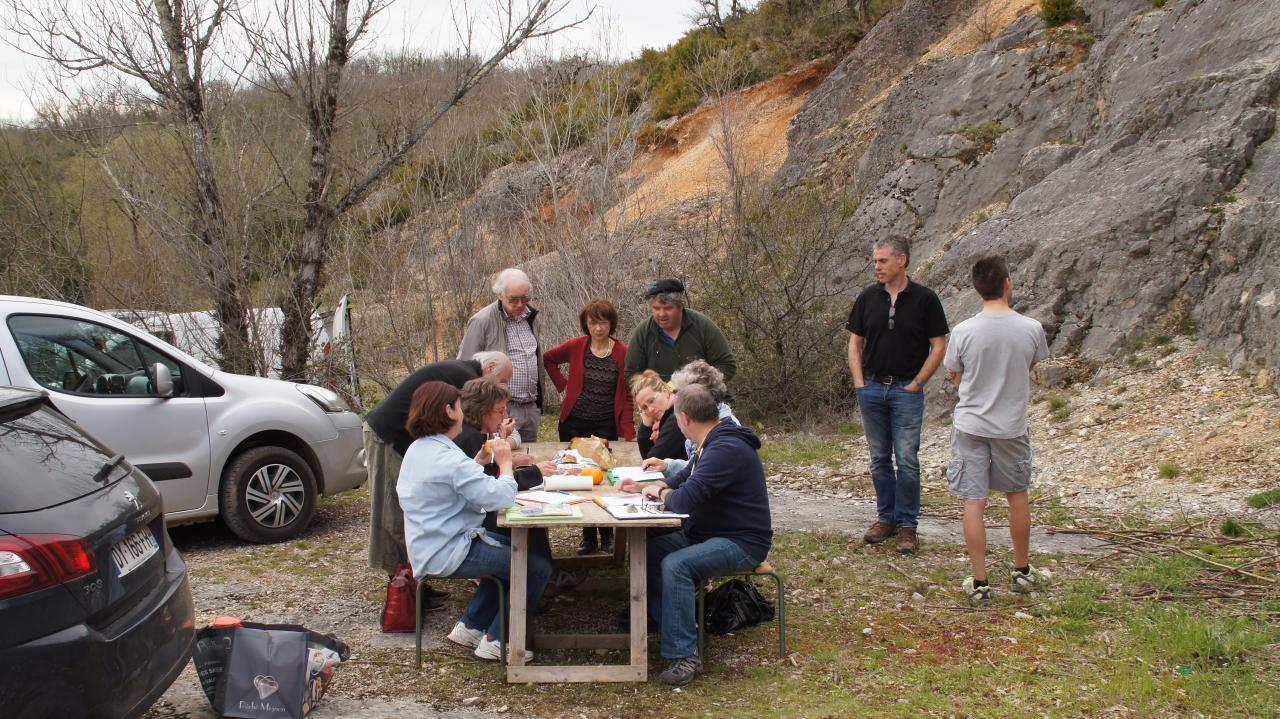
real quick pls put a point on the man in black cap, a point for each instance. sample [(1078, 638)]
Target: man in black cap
[(674, 336)]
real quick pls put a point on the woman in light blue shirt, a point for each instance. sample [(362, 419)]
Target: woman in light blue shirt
[(444, 495)]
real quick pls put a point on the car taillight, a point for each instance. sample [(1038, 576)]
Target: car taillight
[(34, 561)]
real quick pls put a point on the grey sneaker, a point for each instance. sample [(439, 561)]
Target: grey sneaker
[(1034, 580), (682, 671), (978, 596)]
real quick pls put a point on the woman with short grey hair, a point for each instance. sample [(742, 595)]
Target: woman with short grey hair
[(700, 372)]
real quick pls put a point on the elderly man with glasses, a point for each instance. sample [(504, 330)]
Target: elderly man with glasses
[(897, 339), (510, 325)]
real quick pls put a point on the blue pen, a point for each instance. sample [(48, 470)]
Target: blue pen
[(562, 491)]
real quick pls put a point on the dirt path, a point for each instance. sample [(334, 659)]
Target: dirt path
[(795, 511)]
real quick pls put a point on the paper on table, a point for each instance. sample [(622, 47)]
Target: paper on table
[(543, 512), (568, 481), (549, 498), (642, 510), (637, 473)]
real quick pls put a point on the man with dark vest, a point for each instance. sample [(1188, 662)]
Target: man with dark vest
[(385, 442)]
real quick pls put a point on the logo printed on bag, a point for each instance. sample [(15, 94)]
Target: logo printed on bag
[(266, 686)]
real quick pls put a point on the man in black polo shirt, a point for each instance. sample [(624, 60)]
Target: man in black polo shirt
[(898, 336)]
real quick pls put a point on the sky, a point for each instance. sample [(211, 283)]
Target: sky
[(619, 27)]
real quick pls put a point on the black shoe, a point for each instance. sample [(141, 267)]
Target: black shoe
[(588, 546), (682, 671), (430, 593), (606, 540), (432, 605)]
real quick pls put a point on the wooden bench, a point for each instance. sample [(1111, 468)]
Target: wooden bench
[(763, 569)]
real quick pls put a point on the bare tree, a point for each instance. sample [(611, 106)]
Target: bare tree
[(858, 9), (303, 53), (166, 45), (707, 14), (762, 266)]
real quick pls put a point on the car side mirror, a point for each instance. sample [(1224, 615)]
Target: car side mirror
[(161, 380)]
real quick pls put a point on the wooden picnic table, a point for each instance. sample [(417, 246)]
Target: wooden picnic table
[(631, 533)]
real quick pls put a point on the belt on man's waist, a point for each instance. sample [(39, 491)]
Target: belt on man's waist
[(890, 379), (522, 401)]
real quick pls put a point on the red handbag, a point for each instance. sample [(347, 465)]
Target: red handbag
[(399, 614)]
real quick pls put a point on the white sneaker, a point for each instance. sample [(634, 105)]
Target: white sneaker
[(490, 650), (1033, 580), (469, 638)]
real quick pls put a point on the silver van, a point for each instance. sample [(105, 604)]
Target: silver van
[(255, 451)]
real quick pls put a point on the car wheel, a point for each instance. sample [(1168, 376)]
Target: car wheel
[(268, 494)]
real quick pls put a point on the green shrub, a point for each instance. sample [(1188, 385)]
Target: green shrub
[(1059, 12), (1169, 470), (1264, 499), (984, 133)]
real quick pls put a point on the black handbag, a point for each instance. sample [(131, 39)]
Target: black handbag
[(734, 605)]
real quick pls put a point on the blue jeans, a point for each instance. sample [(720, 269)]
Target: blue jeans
[(677, 567), (484, 560), (891, 419)]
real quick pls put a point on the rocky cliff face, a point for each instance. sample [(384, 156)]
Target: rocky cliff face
[(1126, 168)]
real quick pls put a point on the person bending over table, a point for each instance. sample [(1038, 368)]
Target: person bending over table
[(729, 527), (444, 495), (660, 436), (596, 399)]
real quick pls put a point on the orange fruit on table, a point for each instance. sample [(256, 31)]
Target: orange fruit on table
[(595, 473)]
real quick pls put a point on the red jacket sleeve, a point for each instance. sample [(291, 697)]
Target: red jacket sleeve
[(624, 409)]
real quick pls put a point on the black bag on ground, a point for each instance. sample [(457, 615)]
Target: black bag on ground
[(734, 605), (254, 671)]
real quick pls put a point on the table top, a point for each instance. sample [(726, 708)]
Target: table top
[(625, 454)]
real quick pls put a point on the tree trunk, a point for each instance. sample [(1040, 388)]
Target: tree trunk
[(233, 340), (295, 334), (320, 213)]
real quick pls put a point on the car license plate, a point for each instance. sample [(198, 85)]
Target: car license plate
[(135, 549)]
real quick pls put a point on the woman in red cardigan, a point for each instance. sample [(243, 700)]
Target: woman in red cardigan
[(596, 399)]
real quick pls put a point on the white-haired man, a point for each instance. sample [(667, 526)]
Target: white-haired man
[(511, 325)]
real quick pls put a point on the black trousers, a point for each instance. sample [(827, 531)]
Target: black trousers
[(605, 429)]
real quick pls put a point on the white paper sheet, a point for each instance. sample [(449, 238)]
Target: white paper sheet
[(636, 473), (571, 482)]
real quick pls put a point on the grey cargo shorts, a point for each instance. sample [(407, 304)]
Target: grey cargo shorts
[(983, 464)]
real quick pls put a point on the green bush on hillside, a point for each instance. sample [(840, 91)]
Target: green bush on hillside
[(1059, 12), (775, 37)]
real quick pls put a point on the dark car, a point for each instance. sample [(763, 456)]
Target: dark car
[(96, 618)]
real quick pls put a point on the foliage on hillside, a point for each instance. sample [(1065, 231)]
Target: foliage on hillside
[(776, 36)]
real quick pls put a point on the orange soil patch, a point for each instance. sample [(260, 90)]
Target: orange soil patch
[(987, 21), (692, 161)]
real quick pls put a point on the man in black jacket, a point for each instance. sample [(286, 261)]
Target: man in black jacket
[(386, 440), (729, 527)]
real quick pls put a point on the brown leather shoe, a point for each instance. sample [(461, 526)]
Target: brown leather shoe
[(908, 542), (879, 532)]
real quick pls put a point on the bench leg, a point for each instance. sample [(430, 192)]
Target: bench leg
[(417, 634), (782, 614)]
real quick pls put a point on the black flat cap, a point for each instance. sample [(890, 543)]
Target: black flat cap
[(662, 287)]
